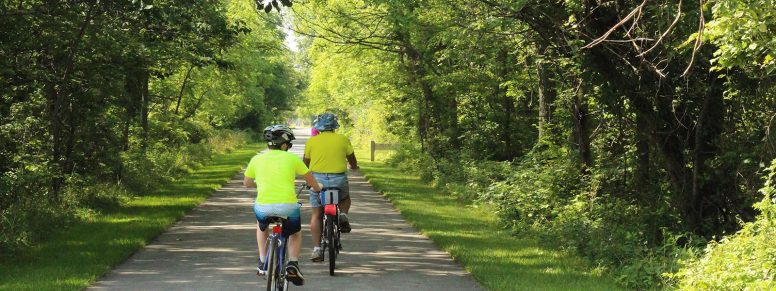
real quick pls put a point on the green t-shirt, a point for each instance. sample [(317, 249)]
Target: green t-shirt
[(274, 172), (327, 152)]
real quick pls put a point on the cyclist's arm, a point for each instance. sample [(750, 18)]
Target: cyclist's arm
[(306, 162), (352, 161), (312, 182), (249, 182)]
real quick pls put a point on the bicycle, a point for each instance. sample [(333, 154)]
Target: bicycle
[(330, 236), (277, 256), (277, 252)]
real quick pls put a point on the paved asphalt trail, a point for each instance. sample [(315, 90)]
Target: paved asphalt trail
[(214, 248)]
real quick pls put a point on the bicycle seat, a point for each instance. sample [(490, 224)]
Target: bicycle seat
[(276, 219)]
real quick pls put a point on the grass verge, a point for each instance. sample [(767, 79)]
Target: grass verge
[(471, 234), (76, 257)]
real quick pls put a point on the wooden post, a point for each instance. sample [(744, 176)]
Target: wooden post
[(372, 149)]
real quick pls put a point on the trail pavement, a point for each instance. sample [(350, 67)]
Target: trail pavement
[(214, 248)]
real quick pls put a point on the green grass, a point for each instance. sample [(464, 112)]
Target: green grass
[(470, 233), (73, 259)]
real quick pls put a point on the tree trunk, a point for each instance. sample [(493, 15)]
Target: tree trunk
[(130, 113), (143, 78), (53, 108), (704, 195), (547, 93), (58, 98), (508, 104), (183, 87), (581, 131), (643, 133)]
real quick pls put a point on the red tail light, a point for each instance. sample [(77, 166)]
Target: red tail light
[(277, 229), (330, 209)]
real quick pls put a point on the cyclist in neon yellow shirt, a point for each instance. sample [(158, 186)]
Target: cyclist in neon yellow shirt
[(327, 154), (273, 173)]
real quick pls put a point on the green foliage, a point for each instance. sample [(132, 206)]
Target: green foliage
[(744, 260), (98, 98), (76, 254), (410, 159), (545, 195), (611, 233), (33, 217), (743, 31), (160, 164), (538, 186)]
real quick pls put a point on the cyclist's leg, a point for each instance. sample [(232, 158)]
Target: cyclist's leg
[(261, 239), (317, 211), (315, 231), (261, 231), (345, 205), (315, 225), (292, 229), (341, 181)]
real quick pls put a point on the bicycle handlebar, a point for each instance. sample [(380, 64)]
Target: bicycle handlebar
[(302, 187)]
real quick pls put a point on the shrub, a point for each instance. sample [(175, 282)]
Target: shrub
[(743, 261), (102, 196), (159, 163), (547, 196), (410, 159), (542, 183), (32, 213), (226, 140), (470, 179), (610, 232)]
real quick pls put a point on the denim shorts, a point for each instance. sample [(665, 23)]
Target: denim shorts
[(293, 222), (339, 180)]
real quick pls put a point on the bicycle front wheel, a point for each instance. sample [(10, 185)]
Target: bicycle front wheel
[(331, 239)]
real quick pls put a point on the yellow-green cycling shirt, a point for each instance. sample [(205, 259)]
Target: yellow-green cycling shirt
[(274, 172), (327, 152)]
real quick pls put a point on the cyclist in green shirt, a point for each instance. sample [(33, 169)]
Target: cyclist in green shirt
[(273, 173), (327, 154)]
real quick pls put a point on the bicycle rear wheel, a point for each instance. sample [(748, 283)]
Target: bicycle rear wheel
[(283, 278), (272, 262), (331, 241)]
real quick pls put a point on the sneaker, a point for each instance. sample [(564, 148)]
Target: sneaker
[(344, 224), (317, 255), (294, 274), (261, 269)]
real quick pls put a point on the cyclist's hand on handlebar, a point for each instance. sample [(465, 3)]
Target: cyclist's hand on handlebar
[(319, 188)]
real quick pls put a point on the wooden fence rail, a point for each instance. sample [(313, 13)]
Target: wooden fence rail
[(373, 146)]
